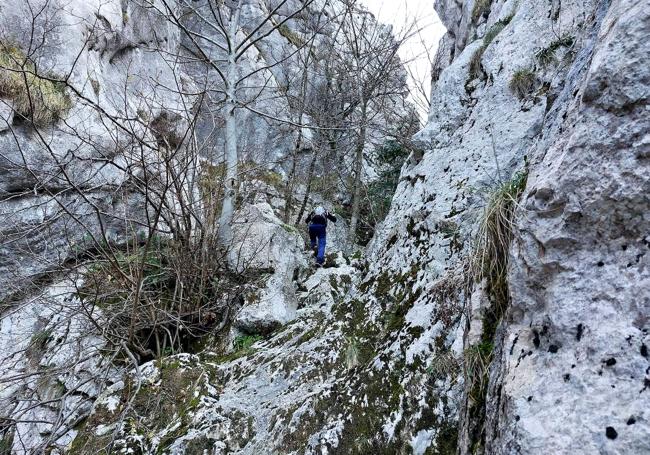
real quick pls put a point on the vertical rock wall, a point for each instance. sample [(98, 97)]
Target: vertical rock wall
[(574, 373)]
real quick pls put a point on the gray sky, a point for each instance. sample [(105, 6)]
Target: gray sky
[(400, 13)]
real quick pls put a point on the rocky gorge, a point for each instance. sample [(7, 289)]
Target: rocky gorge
[(501, 307)]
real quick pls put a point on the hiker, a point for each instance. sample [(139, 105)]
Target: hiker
[(317, 221)]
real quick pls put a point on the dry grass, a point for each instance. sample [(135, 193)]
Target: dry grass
[(546, 56), (475, 67), (522, 82), (445, 365), (489, 260), (489, 264), (34, 96), (481, 7), (476, 365)]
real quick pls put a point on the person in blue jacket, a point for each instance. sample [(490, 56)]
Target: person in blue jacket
[(317, 221)]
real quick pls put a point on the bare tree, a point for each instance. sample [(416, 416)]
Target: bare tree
[(377, 75), (223, 50)]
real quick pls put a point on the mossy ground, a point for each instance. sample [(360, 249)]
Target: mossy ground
[(146, 411)]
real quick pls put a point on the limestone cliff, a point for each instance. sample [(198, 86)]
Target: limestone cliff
[(540, 114)]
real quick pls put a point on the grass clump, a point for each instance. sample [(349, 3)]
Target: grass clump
[(496, 29), (490, 257), (489, 265), (444, 365), (546, 56), (481, 8), (475, 67), (522, 82), (35, 97)]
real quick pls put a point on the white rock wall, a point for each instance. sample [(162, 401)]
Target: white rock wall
[(573, 375)]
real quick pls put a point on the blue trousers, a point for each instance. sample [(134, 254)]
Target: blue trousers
[(318, 232)]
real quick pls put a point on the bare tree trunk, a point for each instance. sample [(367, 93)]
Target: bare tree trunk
[(231, 158), (305, 199), (289, 187), (358, 169)]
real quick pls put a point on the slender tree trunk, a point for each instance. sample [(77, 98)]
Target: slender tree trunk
[(231, 158), (305, 199), (289, 187), (358, 169)]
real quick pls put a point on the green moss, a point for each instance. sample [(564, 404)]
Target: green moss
[(494, 31), (6, 443), (245, 342), (155, 407), (330, 260), (290, 229), (475, 66), (200, 446), (383, 286), (333, 283), (446, 440), (35, 96)]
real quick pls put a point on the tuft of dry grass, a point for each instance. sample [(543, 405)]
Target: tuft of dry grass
[(546, 56), (490, 256), (481, 7), (475, 67), (35, 97), (522, 82)]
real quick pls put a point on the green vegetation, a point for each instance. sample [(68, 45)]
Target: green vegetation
[(490, 256), (243, 343), (167, 404), (475, 70), (36, 97), (375, 206), (522, 82), (481, 8), (496, 29), (37, 345), (546, 56), (6, 443)]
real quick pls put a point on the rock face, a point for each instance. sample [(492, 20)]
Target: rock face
[(262, 241), (409, 350), (580, 280)]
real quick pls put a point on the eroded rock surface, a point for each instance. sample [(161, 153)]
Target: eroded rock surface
[(376, 357)]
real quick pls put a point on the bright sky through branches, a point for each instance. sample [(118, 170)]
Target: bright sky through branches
[(418, 52)]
